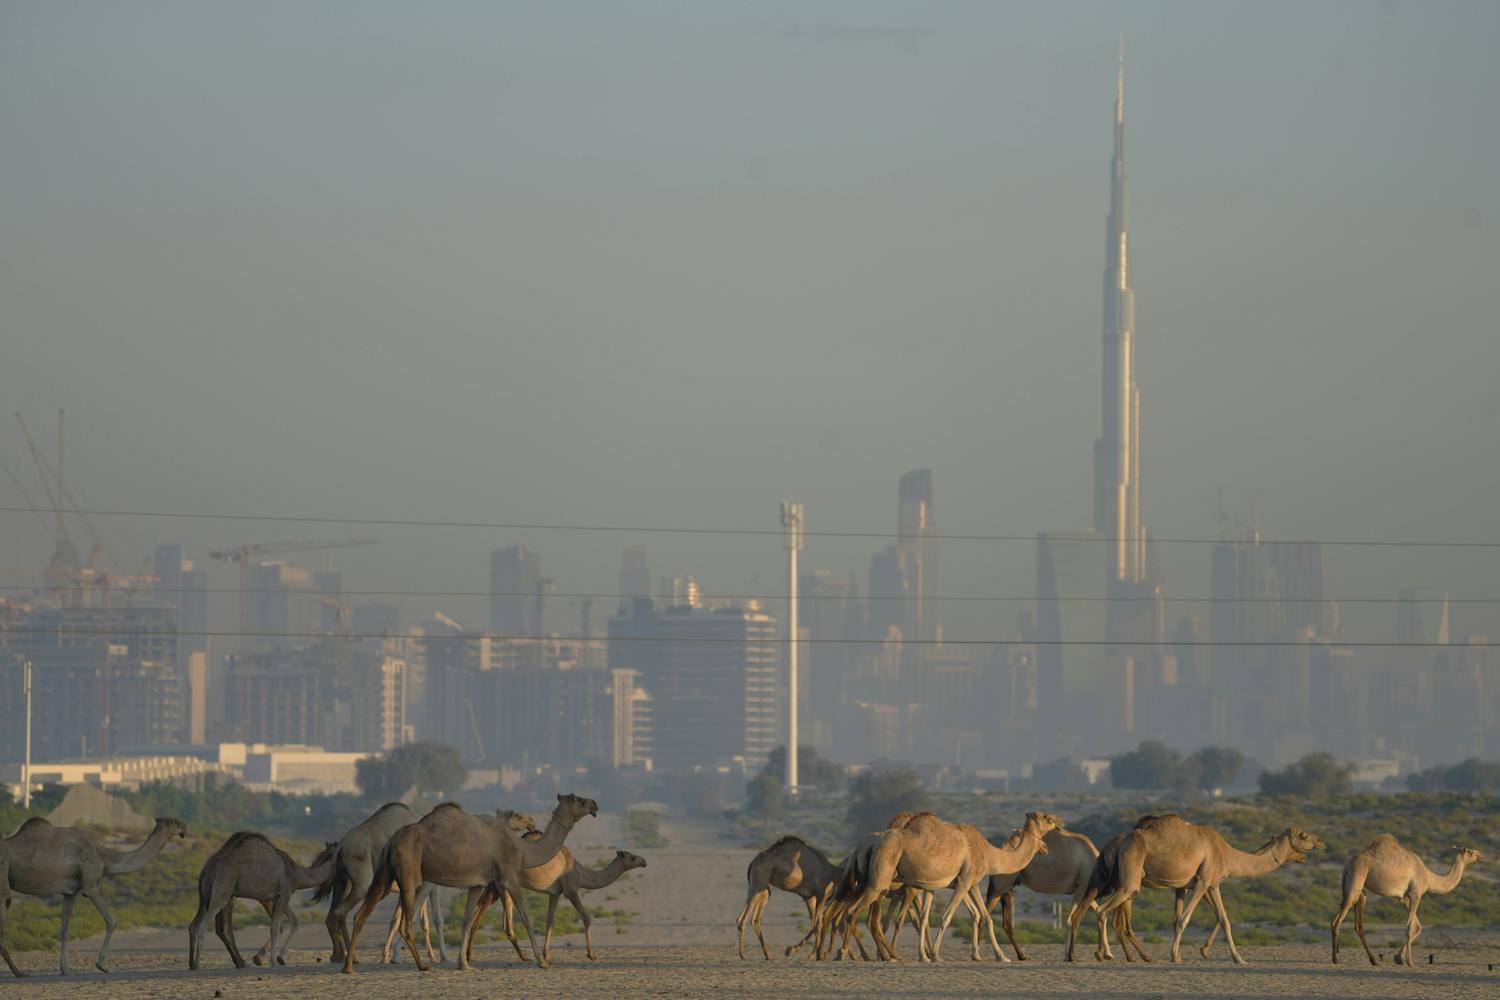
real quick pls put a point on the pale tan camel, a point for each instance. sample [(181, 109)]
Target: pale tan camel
[(1170, 853), (572, 878), (791, 865), (429, 899), (1063, 870), (932, 854), (1385, 868), (248, 866), (40, 859), (449, 847)]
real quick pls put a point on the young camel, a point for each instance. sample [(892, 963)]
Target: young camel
[(1169, 852), (1385, 868), (931, 854), (452, 848), (572, 877), (40, 859), (791, 865), (249, 866)]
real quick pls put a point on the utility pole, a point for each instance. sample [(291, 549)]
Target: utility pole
[(26, 764), (791, 519)]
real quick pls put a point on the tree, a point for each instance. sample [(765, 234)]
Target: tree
[(813, 770), (1472, 775), (1317, 775), (1151, 765), (882, 790), (429, 767), (1217, 766), (765, 797)]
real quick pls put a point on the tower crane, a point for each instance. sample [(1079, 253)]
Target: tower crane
[(242, 554)]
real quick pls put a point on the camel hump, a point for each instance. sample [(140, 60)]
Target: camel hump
[(242, 838), (34, 821), (790, 839), (1158, 822), (440, 808)]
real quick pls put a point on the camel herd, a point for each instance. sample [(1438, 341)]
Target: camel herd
[(493, 857), (902, 867), (918, 854)]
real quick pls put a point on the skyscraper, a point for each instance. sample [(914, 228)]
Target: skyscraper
[(515, 582), (916, 532), (1117, 453)]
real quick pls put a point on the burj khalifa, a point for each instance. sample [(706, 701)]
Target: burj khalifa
[(1117, 452)]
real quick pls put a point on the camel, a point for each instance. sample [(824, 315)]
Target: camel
[(573, 877), (354, 869), (428, 899), (1385, 868), (452, 848), (248, 866), (1170, 853), (40, 859), (791, 865), (929, 853), (847, 884), (1063, 870)]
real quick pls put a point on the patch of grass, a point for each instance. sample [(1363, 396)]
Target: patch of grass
[(643, 829)]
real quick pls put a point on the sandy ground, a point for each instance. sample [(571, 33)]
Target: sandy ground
[(681, 942)]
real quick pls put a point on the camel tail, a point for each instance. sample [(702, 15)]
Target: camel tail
[(385, 872), (336, 885), (852, 879)]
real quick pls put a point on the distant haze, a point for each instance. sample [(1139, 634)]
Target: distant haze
[(669, 264)]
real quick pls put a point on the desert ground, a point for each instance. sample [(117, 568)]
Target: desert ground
[(680, 942)]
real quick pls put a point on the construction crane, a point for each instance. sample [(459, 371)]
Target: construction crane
[(242, 555), (340, 610)]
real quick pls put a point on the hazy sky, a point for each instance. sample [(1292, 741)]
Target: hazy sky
[(657, 263)]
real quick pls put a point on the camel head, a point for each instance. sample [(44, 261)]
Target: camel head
[(516, 822), (630, 860), (174, 827), (1039, 824), (1465, 854), (1300, 840), (572, 808)]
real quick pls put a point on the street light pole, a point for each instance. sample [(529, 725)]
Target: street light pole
[(791, 519), (26, 765)]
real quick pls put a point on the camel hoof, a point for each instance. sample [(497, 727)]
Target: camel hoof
[(257, 960), (102, 967), (1240, 961)]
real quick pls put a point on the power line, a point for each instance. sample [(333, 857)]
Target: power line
[(9, 588), (124, 632), (675, 530)]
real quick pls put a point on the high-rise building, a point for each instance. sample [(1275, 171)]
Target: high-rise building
[(515, 590), (916, 532), (167, 567), (1117, 453), (712, 678), (635, 576)]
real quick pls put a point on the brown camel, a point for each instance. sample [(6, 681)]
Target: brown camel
[(571, 877), (1063, 870), (1170, 853), (834, 914), (452, 848), (791, 865), (249, 866), (429, 899), (40, 859), (1385, 868), (929, 853)]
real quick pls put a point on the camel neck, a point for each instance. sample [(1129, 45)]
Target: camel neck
[(535, 853), (1448, 882), (125, 862), (1243, 864), (313, 875), (589, 878), (1014, 856)]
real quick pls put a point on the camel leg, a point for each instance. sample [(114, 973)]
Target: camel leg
[(195, 930), (814, 905), (509, 909), (977, 904), (286, 942), (960, 892), (62, 937), (583, 915), (424, 912), (438, 905), (408, 918), (1217, 898), (1181, 918), (373, 896), (758, 908), (1080, 907), (1413, 925), (282, 903), (1338, 922), (224, 925), (514, 888), (1125, 931), (745, 915), (1008, 923), (387, 957), (1359, 928), (110, 923), (4, 905)]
